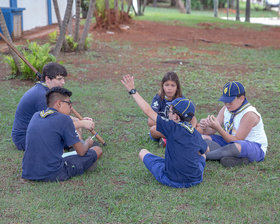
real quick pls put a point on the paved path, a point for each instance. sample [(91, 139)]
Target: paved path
[(271, 21)]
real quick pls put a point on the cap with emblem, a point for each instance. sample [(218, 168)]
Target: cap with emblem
[(231, 90)]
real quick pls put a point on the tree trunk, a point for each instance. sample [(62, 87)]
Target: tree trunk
[(237, 11), (116, 9), (58, 17), (173, 3), (154, 3), (231, 4), (188, 6), (216, 4), (87, 25), (77, 20), (61, 37), (144, 6), (107, 12), (180, 4), (5, 31), (247, 14)]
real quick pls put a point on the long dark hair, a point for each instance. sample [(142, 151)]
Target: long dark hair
[(172, 76)]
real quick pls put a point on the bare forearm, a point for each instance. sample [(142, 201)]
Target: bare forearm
[(145, 107)]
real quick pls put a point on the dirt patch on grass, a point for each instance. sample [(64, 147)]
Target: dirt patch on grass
[(144, 41)]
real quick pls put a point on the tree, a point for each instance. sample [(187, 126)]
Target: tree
[(216, 4), (237, 11), (87, 24), (247, 14), (180, 4), (77, 20), (62, 33), (5, 31), (188, 6)]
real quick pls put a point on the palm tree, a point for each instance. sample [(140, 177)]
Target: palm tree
[(237, 11), (61, 37), (87, 25), (188, 6), (5, 31), (77, 20)]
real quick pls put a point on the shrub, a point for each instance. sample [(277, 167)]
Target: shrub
[(53, 37), (36, 55)]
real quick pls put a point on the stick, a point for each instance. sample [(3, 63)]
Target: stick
[(39, 76), (93, 132)]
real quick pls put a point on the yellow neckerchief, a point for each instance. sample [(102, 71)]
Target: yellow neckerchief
[(187, 125), (44, 114)]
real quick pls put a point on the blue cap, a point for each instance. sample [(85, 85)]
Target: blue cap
[(231, 90), (184, 106)]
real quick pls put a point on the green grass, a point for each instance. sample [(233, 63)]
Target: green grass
[(121, 190), (173, 16)]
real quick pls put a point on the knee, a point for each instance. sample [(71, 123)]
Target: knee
[(152, 129), (238, 146), (98, 151), (142, 153)]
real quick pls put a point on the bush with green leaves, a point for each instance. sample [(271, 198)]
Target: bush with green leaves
[(53, 37), (37, 55), (72, 45)]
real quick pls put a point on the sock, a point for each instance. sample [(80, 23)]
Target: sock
[(229, 150), (212, 145)]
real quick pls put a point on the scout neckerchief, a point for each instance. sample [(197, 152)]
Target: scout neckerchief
[(49, 111), (42, 83), (244, 106), (187, 125)]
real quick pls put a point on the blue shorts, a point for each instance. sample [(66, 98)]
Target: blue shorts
[(156, 165), (250, 150), (73, 165)]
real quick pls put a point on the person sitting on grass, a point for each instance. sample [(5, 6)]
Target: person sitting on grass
[(170, 89), (34, 100), (184, 160), (243, 139), (47, 133)]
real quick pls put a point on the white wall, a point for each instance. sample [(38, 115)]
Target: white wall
[(36, 12), (4, 3)]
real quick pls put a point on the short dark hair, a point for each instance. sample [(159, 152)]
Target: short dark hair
[(172, 76), (57, 93), (52, 70)]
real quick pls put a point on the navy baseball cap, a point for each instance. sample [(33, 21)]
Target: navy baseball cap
[(231, 90), (183, 106)]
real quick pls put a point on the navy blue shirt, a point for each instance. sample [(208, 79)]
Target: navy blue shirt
[(32, 101), (45, 139), (181, 155), (160, 106)]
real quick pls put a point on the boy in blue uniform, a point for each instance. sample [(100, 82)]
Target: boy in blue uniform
[(34, 100), (47, 133), (184, 161)]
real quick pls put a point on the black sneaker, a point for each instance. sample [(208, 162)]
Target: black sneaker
[(234, 161)]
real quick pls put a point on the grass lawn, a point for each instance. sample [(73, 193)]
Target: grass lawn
[(122, 190)]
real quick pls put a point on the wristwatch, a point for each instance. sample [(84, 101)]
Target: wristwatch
[(132, 91)]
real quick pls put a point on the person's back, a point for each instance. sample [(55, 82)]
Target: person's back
[(47, 133), (182, 156), (45, 140), (32, 101)]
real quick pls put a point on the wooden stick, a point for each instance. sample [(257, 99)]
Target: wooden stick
[(93, 132)]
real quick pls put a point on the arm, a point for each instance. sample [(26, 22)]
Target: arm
[(128, 82), (86, 123), (205, 127), (151, 122), (248, 121), (81, 148)]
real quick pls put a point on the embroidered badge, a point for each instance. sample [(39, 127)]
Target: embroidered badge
[(225, 90)]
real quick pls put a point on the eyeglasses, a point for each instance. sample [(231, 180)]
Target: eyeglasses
[(68, 102)]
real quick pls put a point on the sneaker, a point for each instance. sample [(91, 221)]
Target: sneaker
[(162, 142), (233, 161)]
